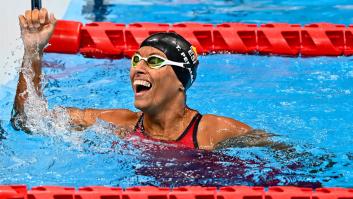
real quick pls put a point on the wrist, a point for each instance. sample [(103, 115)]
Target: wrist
[(33, 52)]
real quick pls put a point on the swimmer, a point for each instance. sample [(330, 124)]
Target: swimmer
[(162, 70)]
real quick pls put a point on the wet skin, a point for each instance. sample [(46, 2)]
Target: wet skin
[(165, 112)]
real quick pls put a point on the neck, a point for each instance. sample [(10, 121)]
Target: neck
[(168, 122)]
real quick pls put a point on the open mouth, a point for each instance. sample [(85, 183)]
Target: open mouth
[(142, 86)]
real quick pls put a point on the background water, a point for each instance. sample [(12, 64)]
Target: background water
[(307, 102), (213, 11)]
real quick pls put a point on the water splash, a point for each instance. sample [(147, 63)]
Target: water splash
[(39, 119)]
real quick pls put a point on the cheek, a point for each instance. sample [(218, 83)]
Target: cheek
[(132, 72), (167, 81), (157, 77)]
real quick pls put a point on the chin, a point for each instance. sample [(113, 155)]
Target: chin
[(141, 105)]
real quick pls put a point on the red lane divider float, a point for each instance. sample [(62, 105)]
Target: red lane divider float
[(13, 191), (348, 51), (102, 40), (281, 39), (235, 37), (51, 192), (241, 192), (109, 40), (188, 192), (135, 33), (200, 35), (323, 37), (96, 192), (66, 37)]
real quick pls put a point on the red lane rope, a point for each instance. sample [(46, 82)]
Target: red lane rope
[(188, 192), (109, 40)]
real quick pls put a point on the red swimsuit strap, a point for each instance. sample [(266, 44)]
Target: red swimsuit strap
[(187, 139)]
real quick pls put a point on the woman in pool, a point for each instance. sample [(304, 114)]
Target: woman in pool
[(162, 69)]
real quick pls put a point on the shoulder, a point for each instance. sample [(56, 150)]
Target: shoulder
[(214, 129)]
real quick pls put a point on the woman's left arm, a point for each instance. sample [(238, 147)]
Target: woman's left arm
[(222, 132)]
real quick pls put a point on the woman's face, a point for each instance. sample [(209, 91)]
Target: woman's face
[(153, 88)]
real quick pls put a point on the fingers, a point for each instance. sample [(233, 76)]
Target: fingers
[(52, 22), (52, 19), (23, 22), (43, 16), (28, 16), (35, 18)]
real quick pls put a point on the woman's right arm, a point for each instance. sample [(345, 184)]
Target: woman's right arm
[(36, 29)]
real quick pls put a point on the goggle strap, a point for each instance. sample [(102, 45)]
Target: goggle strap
[(166, 62), (169, 62)]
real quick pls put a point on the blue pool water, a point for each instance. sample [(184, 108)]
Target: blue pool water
[(306, 102), (214, 11)]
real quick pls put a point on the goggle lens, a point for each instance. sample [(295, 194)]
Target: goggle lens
[(135, 60), (152, 61)]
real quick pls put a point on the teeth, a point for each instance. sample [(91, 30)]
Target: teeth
[(142, 82)]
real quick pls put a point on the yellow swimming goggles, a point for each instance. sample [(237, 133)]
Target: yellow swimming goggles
[(154, 61)]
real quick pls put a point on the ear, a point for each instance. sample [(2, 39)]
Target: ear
[(181, 87)]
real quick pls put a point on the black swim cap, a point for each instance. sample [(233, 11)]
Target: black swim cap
[(177, 49)]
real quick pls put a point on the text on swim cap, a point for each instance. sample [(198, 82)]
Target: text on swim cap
[(186, 61), (192, 55)]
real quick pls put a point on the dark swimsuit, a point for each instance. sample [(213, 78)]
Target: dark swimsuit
[(187, 139)]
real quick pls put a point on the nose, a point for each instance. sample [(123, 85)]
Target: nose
[(142, 63), (141, 67)]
